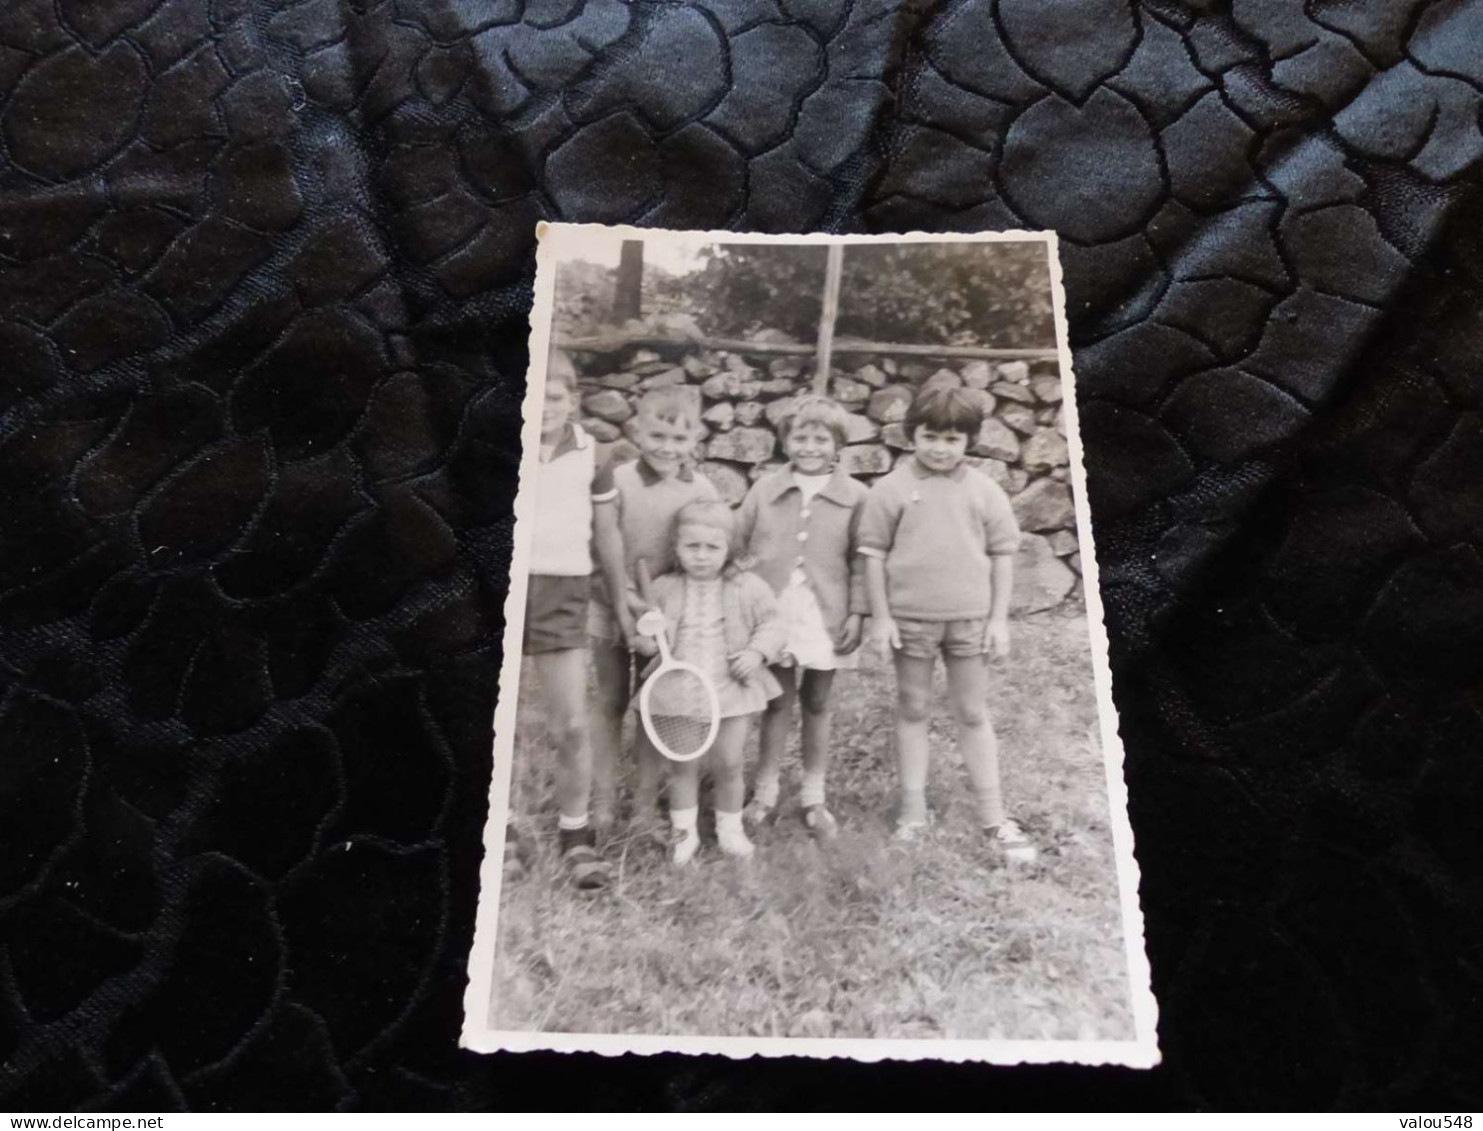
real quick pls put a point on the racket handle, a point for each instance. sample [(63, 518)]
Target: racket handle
[(644, 580)]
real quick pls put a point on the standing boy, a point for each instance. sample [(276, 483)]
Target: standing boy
[(939, 539), (647, 493), (573, 513)]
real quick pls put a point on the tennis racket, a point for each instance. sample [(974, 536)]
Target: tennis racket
[(678, 706)]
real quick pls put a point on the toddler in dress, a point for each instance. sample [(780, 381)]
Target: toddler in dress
[(724, 622)]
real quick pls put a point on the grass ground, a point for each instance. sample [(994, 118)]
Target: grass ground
[(863, 937)]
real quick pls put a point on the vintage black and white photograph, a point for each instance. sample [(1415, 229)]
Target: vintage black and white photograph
[(805, 742)]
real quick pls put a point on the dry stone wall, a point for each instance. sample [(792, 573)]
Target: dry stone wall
[(1022, 445)]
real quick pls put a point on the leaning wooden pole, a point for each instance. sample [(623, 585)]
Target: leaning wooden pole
[(828, 315)]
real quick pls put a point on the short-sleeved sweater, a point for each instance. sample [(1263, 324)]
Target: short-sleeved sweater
[(647, 503), (937, 533)]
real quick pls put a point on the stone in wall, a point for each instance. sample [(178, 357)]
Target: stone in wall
[(620, 381), (749, 412), (889, 405), (1047, 388), (1017, 372), (894, 436), (859, 430), (943, 379), (872, 375), (608, 405), (1019, 417), (999, 471), (984, 399), (743, 445), (977, 374), (1041, 580), (1045, 505), (865, 459), (730, 483), (779, 410), (720, 416), (1006, 391), (602, 431), (849, 393), (1045, 451), (996, 441), (663, 379)]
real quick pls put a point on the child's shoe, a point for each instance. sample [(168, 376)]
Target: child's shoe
[(909, 832), (734, 842), (731, 837), (589, 872), (1013, 842), (758, 812), (683, 845), (820, 822)]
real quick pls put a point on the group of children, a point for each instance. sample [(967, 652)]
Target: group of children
[(770, 600)]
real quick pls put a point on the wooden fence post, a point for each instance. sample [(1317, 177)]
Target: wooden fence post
[(829, 312), (628, 292)]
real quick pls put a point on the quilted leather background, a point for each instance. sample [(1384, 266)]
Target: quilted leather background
[(264, 277)]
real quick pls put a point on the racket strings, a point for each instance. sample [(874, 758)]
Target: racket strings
[(680, 711)]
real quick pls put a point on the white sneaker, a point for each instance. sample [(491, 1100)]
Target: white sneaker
[(683, 845), (1013, 842)]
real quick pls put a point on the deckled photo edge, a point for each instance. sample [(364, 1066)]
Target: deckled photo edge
[(479, 1035)]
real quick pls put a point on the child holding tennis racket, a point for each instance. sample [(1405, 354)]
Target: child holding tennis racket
[(796, 528), (722, 625), (939, 540), (648, 492)]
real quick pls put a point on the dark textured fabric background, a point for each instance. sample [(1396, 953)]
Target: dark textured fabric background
[(264, 276)]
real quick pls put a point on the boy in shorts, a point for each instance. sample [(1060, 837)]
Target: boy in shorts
[(647, 493), (939, 540), (573, 514)]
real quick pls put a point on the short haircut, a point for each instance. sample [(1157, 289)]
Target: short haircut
[(945, 410), (673, 404), (707, 512), (561, 371), (814, 409)]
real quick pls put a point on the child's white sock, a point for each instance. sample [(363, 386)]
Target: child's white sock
[(990, 808), (571, 824), (731, 836), (812, 791), (686, 841)]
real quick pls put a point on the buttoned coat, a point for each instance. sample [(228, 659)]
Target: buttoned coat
[(776, 534)]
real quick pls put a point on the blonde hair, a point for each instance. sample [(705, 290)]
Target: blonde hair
[(673, 404), (707, 512), (814, 409)]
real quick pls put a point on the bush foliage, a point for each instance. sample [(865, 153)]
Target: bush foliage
[(965, 294), (984, 294)]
